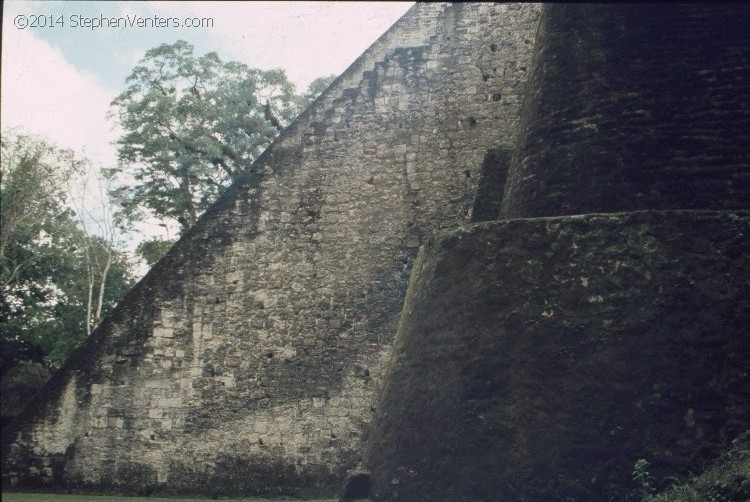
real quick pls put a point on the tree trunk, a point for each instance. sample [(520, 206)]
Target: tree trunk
[(102, 284), (90, 298)]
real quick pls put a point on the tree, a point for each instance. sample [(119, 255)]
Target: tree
[(153, 249), (192, 126), (45, 287), (33, 174), (101, 226), (314, 90)]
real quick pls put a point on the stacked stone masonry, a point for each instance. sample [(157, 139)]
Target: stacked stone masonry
[(635, 109), (248, 360), (602, 319)]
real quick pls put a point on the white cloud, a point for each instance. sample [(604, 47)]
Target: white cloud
[(307, 39), (46, 95)]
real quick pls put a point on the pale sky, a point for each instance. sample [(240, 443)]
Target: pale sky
[(62, 65), (60, 70)]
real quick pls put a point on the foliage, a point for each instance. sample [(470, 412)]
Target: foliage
[(13, 351), (192, 125), (153, 249), (314, 90), (45, 289), (642, 477), (727, 479), (101, 226), (33, 175)]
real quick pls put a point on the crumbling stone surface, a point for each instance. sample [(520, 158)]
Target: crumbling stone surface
[(247, 361)]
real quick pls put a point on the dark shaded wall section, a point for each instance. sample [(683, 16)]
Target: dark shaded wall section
[(491, 186), (538, 359), (635, 107)]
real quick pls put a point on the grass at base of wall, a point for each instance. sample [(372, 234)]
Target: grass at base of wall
[(52, 497), (727, 480)]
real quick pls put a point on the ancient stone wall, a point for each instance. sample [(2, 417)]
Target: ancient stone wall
[(540, 358), (248, 360), (603, 318), (635, 108)]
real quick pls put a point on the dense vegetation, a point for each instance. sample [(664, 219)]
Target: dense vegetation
[(58, 277), (728, 479)]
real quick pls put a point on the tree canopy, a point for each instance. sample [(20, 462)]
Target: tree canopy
[(192, 125), (44, 290)]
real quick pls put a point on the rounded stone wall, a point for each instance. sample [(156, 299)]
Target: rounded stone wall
[(633, 107), (539, 359)]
